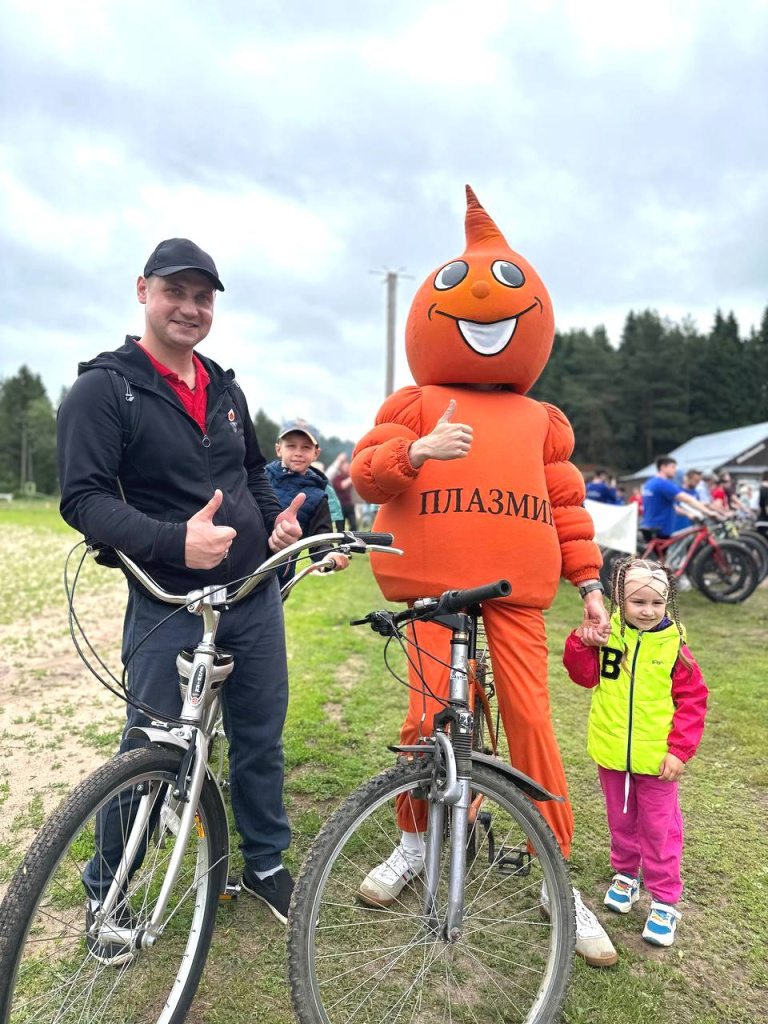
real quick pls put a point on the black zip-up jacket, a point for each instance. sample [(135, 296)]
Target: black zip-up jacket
[(168, 469)]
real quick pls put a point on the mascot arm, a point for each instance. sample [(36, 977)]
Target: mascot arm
[(575, 530), (380, 466)]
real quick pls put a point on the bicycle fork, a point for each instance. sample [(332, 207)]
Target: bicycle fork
[(454, 756)]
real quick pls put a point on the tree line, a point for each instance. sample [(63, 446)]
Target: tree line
[(665, 383)]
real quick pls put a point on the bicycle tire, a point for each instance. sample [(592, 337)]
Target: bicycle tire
[(346, 828), (726, 575), (51, 871), (758, 545)]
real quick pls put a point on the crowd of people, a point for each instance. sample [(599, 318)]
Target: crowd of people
[(664, 501)]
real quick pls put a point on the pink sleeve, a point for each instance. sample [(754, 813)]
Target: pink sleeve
[(582, 662), (689, 692)]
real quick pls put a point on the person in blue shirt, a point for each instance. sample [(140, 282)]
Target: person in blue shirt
[(691, 480), (660, 495), (598, 489)]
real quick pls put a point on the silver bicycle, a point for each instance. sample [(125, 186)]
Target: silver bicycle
[(484, 929), (137, 954)]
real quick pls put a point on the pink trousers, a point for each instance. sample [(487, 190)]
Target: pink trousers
[(649, 834)]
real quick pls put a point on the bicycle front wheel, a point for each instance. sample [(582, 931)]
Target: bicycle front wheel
[(349, 961), (49, 970), (726, 574)]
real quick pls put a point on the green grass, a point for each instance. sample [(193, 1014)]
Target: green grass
[(344, 710)]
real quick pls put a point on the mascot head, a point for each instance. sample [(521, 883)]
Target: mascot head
[(484, 318)]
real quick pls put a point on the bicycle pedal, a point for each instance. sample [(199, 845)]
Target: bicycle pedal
[(513, 861), (231, 891)]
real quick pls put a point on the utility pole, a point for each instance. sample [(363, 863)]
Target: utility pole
[(391, 277), (23, 465)]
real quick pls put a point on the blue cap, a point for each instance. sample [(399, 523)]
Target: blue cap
[(302, 427)]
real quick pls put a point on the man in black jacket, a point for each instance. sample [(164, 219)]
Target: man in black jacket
[(194, 507)]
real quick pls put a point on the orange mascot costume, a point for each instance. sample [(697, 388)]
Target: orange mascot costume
[(493, 496)]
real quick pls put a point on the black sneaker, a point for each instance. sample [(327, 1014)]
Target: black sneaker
[(110, 951), (275, 890)]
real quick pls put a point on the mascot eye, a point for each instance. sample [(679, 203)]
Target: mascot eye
[(507, 273), (451, 275)]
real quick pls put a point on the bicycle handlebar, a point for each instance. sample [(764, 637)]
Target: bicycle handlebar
[(456, 600), (348, 540)]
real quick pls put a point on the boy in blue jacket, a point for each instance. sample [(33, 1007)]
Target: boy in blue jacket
[(292, 473)]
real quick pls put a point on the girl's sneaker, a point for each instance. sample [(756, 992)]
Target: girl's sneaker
[(623, 893), (660, 927)]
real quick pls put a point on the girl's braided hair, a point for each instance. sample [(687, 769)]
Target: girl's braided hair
[(618, 593)]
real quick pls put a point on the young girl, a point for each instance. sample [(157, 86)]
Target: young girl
[(647, 716)]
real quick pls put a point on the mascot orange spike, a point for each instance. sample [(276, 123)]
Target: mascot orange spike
[(474, 481)]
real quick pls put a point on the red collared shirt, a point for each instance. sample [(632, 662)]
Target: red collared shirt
[(194, 401)]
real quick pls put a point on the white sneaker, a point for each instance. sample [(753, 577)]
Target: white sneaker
[(592, 942), (382, 886), (661, 924)]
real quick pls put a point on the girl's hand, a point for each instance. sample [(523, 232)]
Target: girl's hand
[(592, 636), (671, 768)]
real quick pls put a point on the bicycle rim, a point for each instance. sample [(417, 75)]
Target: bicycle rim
[(52, 974), (349, 961), (727, 574)]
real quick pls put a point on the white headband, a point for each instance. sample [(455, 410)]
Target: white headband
[(638, 576)]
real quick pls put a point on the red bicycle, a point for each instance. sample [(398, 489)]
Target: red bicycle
[(723, 570)]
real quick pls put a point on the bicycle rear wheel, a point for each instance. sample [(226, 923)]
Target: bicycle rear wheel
[(48, 972), (349, 961), (726, 574)]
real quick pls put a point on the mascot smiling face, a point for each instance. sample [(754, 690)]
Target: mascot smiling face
[(484, 318)]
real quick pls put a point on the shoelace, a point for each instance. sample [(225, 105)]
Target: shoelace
[(585, 919)]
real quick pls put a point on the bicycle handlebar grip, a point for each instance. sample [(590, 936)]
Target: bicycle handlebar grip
[(456, 600), (385, 539)]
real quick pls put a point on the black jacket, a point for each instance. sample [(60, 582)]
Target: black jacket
[(167, 468)]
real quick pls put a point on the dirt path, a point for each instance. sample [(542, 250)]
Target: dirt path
[(57, 723)]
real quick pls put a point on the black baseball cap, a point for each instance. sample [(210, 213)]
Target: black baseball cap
[(175, 254)]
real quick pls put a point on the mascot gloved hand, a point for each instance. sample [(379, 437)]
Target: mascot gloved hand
[(474, 481)]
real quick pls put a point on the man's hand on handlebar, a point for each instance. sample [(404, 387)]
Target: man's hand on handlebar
[(207, 545)]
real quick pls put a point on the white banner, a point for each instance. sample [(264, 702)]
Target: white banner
[(615, 525)]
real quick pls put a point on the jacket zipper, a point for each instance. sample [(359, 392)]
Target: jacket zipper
[(631, 701)]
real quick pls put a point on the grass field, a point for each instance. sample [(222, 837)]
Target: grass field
[(344, 710)]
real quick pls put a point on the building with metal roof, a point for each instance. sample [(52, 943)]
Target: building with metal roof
[(742, 452)]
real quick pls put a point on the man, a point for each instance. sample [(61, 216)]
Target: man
[(691, 480), (196, 509), (598, 489), (660, 494)]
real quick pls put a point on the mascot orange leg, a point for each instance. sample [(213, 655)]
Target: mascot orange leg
[(518, 645)]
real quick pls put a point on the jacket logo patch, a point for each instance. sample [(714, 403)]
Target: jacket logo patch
[(232, 420)]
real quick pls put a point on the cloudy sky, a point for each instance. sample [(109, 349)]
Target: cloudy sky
[(623, 149)]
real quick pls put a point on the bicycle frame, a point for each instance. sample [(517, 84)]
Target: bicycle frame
[(659, 548), (454, 757)]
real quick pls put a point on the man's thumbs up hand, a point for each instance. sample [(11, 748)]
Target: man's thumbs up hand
[(206, 545), (287, 530), (447, 441)]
